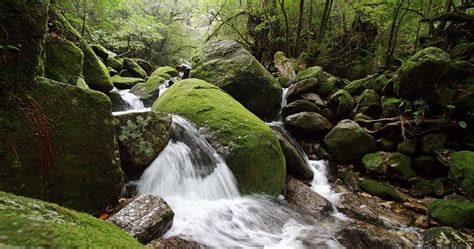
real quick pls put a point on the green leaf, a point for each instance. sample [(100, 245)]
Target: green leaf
[(462, 124)]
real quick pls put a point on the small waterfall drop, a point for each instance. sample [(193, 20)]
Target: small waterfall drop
[(203, 193), (133, 103)]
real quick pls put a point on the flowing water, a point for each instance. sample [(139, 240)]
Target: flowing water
[(202, 191), (133, 103)]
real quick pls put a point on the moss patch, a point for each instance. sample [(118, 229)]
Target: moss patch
[(383, 190), (26, 222), (456, 213), (462, 170), (248, 145)]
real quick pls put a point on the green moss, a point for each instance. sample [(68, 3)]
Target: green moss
[(356, 87), (95, 72), (153, 84), (248, 145), (382, 190), (432, 142), (444, 237), (369, 103), (134, 68), (125, 82), (341, 103), (408, 146), (462, 170), (456, 213), (391, 107), (165, 70), (29, 223), (114, 63), (85, 170), (393, 164)]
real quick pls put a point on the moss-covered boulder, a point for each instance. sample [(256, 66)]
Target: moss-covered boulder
[(341, 103), (300, 105), (232, 68), (145, 65), (308, 124), (462, 170), (125, 82), (165, 70), (408, 146), (392, 164), (368, 103), (100, 51), (30, 223), (383, 190), (114, 63), (356, 87), (22, 23), (64, 61), (61, 149), (421, 73), (348, 142), (453, 212), (444, 237), (150, 90), (134, 68), (249, 147), (95, 72), (391, 107), (432, 142), (141, 137)]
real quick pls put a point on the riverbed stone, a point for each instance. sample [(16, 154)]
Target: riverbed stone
[(462, 170), (421, 73), (134, 68), (444, 237), (299, 105), (341, 103), (392, 164), (248, 145), (453, 212), (301, 197), (308, 123), (232, 68), (141, 137), (174, 242), (383, 190), (347, 142), (30, 223), (145, 65), (368, 103), (146, 218), (125, 82)]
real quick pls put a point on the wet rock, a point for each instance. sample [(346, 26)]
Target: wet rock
[(444, 237), (175, 243), (147, 217), (383, 190), (391, 107), (301, 87), (150, 90), (248, 145), (296, 162), (125, 82), (145, 65), (284, 81), (348, 134), (301, 197), (134, 68), (308, 123), (141, 137), (368, 103), (100, 51), (351, 180), (300, 105), (314, 98), (420, 74), (421, 188), (432, 142), (462, 171), (453, 212), (118, 104), (165, 70), (114, 63), (422, 221), (392, 164), (415, 206), (229, 66), (341, 103)]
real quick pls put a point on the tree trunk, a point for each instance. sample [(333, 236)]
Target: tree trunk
[(299, 29), (388, 58), (324, 19), (287, 35)]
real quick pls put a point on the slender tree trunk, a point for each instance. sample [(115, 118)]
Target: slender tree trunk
[(324, 19), (299, 29), (287, 35), (84, 16), (388, 58), (396, 30)]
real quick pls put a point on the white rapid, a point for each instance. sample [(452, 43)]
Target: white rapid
[(133, 103), (202, 191)]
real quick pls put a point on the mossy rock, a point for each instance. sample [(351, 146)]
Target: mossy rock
[(391, 107), (64, 152), (452, 212), (30, 223), (165, 70), (463, 51), (125, 82), (433, 142), (150, 90), (429, 164), (284, 81), (408, 146), (341, 103), (444, 237), (125, 73), (368, 103), (114, 63), (64, 61), (313, 72), (386, 144), (232, 68), (383, 190), (300, 105), (420, 74), (134, 68), (95, 72), (392, 164), (145, 65), (141, 137), (25, 23), (100, 51), (348, 142), (308, 124), (356, 87), (462, 170), (249, 147)]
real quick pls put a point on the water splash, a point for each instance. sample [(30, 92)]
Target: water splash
[(202, 191), (133, 101)]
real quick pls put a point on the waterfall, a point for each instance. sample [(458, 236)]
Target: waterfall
[(133, 103), (202, 191)]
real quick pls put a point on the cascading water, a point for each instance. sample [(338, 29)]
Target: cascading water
[(202, 191), (133, 103)]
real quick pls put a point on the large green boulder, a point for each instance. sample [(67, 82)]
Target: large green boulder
[(371, 82), (141, 137), (126, 82), (23, 25), (348, 142), (249, 147), (95, 72), (308, 124), (58, 145), (432, 142), (341, 103), (421, 73), (392, 164), (453, 212), (462, 169), (134, 68), (145, 65), (165, 70), (30, 223), (391, 107), (233, 69), (64, 61), (114, 63), (150, 90), (383, 190), (300, 105), (368, 103)]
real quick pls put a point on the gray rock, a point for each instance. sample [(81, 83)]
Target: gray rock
[(301, 197), (444, 237), (300, 105), (175, 243), (147, 217), (308, 123)]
